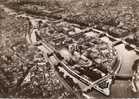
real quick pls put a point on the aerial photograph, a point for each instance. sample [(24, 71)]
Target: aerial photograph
[(69, 49)]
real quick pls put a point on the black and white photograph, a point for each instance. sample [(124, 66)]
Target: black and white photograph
[(69, 49)]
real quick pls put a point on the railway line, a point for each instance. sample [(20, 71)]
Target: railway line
[(90, 84), (116, 42), (85, 81), (117, 77)]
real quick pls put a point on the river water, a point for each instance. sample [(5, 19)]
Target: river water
[(127, 59), (127, 56), (121, 88)]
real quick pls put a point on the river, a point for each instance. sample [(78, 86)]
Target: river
[(121, 88), (127, 59), (127, 56)]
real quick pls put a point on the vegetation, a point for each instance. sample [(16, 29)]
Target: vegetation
[(23, 71), (108, 15), (21, 74)]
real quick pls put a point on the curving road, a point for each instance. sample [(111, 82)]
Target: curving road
[(125, 91)]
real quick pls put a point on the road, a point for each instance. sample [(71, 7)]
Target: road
[(121, 88)]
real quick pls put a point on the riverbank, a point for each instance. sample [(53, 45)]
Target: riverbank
[(124, 69)]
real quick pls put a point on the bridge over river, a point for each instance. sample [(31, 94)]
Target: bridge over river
[(120, 89)]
